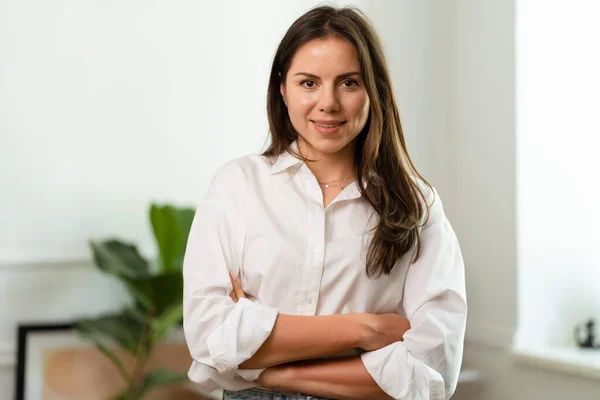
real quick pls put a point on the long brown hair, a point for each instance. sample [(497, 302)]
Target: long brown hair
[(381, 159)]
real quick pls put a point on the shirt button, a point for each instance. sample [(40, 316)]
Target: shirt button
[(309, 300)]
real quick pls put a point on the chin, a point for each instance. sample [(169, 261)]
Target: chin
[(327, 144)]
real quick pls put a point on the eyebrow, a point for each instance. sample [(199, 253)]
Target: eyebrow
[(346, 75)]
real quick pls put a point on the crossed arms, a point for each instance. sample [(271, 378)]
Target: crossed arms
[(298, 338)]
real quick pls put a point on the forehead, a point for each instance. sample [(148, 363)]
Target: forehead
[(324, 57)]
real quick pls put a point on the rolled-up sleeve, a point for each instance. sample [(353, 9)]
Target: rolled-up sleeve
[(220, 334), (426, 364)]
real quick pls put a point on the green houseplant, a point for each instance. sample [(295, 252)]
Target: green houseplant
[(157, 300)]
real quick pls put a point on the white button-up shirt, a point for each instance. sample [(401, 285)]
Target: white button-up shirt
[(266, 223)]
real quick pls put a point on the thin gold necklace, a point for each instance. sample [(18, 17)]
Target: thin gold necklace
[(329, 183)]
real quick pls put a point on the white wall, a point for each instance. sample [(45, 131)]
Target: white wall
[(106, 106), (480, 151), (415, 35)]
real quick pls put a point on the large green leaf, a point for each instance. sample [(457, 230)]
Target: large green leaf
[(142, 296), (165, 322), (119, 259), (122, 329), (137, 314), (171, 227), (159, 292), (161, 377)]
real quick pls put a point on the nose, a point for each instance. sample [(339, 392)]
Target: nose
[(328, 100)]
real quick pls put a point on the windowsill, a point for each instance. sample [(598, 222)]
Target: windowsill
[(468, 376), (569, 360)]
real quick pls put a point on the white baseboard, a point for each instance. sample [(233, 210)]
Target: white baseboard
[(18, 265)]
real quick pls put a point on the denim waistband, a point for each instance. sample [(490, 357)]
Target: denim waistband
[(247, 394)]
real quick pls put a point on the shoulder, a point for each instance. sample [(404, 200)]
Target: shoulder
[(241, 169), (235, 177)]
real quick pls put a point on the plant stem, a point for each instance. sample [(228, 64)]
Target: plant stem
[(141, 359)]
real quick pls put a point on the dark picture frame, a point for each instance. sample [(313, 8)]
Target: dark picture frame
[(23, 335), (45, 348)]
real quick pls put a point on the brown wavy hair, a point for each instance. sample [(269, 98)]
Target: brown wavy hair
[(381, 158)]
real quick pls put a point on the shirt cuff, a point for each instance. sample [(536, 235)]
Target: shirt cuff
[(402, 376), (250, 374), (240, 336)]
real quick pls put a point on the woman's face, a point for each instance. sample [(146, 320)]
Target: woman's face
[(326, 97)]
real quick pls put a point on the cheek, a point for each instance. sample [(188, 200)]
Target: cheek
[(359, 107), (301, 105), (300, 97), (306, 99)]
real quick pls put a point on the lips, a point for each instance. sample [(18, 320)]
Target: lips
[(328, 123), (328, 129)]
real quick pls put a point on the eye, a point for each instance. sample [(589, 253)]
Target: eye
[(350, 83), (309, 84)]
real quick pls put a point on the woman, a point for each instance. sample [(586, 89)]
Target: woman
[(325, 267)]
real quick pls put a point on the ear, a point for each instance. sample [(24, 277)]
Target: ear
[(282, 87)]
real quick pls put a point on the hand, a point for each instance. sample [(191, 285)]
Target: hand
[(382, 330), (237, 293), (264, 379), (275, 377)]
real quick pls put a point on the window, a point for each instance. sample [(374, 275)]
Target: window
[(558, 171)]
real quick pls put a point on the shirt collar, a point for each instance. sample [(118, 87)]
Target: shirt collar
[(286, 160)]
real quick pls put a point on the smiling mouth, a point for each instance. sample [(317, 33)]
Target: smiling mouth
[(329, 125)]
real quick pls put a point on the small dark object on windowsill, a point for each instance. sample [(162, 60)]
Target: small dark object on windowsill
[(590, 338)]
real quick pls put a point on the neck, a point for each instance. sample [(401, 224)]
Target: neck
[(329, 166)]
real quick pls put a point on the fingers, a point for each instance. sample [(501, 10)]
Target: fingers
[(237, 292), (233, 296), (237, 287)]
